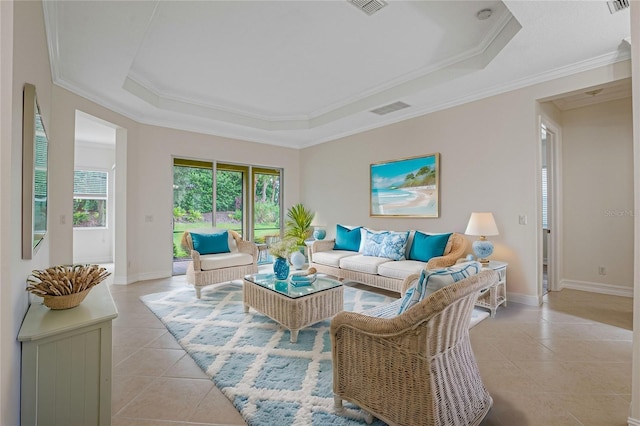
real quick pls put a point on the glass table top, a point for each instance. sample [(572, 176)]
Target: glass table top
[(291, 289)]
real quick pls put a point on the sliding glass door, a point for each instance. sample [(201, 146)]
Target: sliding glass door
[(266, 204), (192, 200), (207, 194)]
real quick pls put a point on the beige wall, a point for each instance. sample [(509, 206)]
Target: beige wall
[(597, 170), (149, 178), (490, 161), (24, 61)]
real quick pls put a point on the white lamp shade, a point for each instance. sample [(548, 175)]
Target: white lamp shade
[(481, 223)]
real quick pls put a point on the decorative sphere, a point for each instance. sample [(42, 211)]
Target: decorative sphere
[(319, 234), (297, 259)]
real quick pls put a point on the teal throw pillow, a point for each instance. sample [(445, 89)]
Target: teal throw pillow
[(425, 246), (347, 239), (433, 280), (211, 243)]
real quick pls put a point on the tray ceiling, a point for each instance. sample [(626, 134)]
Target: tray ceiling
[(297, 73)]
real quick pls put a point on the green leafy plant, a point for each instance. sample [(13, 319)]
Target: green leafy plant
[(298, 224)]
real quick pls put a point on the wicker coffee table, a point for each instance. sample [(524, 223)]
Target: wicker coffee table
[(291, 306)]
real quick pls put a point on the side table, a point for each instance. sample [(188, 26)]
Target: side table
[(497, 294)]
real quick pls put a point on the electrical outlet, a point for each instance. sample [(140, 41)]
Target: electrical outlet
[(602, 270), (522, 219), (148, 218)]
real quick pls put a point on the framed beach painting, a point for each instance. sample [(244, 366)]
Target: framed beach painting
[(406, 188)]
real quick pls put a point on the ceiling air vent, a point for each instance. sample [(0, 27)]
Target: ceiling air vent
[(369, 6), (617, 5), (390, 108)]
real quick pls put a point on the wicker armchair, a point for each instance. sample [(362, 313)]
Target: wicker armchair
[(203, 270), (417, 368)]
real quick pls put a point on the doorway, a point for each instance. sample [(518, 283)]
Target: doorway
[(549, 190)]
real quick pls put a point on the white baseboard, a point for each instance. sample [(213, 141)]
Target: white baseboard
[(523, 298), (93, 260), (132, 278), (613, 290)]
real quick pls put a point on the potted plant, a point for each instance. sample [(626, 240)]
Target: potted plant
[(298, 225)]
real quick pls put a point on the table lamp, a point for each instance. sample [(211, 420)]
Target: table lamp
[(482, 224)]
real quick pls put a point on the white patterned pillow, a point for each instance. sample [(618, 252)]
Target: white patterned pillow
[(394, 245), (373, 242), (433, 280)]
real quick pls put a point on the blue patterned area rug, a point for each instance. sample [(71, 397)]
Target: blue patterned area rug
[(250, 359)]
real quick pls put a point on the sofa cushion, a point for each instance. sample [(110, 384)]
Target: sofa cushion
[(211, 243), (388, 244), (425, 247), (331, 257), (433, 280), (400, 269), (361, 263), (347, 238), (224, 260), (372, 242), (394, 245)]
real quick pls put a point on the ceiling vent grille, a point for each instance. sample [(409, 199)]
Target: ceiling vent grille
[(390, 108), (368, 6), (617, 5)]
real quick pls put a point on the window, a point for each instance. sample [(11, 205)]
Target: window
[(89, 199)]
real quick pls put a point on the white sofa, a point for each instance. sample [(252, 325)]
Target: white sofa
[(207, 269), (378, 271)]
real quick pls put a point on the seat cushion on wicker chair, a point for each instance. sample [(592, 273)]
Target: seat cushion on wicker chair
[(433, 280), (400, 269), (224, 260), (390, 310), (361, 263), (332, 258)]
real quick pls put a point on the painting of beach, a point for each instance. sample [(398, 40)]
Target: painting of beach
[(406, 188)]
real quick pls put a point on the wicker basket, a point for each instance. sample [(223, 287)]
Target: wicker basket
[(65, 302)]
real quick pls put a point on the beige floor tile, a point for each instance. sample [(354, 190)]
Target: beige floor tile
[(120, 353), (529, 409), (126, 388), (168, 399), (138, 320), (186, 367), (148, 362), (590, 350), (567, 362), (165, 341), (597, 410), (217, 408), (135, 337)]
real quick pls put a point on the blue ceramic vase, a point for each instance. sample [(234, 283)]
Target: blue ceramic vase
[(281, 268), (319, 233)]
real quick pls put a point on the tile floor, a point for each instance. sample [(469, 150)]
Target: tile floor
[(567, 362)]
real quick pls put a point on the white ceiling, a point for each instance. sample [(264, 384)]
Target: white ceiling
[(298, 73)]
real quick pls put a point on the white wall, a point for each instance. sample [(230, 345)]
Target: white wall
[(24, 58), (95, 245), (489, 162), (597, 168)]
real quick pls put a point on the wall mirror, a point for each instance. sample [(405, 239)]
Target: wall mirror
[(34, 174)]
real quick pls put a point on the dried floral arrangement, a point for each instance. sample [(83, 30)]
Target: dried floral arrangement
[(283, 248), (65, 279)]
